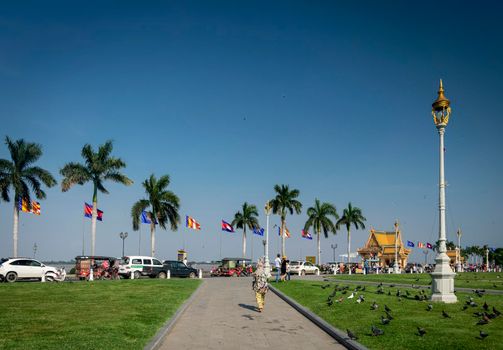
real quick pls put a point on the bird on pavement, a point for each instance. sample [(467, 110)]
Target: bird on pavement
[(351, 335), (445, 314), (421, 331), (483, 334), (376, 331)]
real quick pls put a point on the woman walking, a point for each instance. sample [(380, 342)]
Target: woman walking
[(259, 284)]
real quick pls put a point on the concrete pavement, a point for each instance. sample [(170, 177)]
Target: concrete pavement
[(224, 316)]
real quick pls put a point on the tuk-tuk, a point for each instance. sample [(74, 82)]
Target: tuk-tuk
[(104, 267), (235, 267)]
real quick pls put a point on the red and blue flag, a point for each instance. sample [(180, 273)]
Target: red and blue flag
[(227, 227)]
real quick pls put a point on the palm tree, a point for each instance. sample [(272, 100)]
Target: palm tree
[(98, 167), (23, 177), (319, 217), (244, 219), (351, 215), (163, 206), (284, 202)]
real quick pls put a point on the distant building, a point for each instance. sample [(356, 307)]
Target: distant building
[(380, 247)]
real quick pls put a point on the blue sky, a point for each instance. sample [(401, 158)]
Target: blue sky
[(231, 98)]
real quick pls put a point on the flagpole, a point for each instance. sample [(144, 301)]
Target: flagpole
[(252, 246), (139, 241), (83, 234), (220, 245)]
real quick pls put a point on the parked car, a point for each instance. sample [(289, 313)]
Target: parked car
[(13, 269), (178, 269), (303, 268), (139, 266)]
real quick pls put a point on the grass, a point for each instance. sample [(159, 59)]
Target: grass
[(94, 315), (458, 332), (473, 280)]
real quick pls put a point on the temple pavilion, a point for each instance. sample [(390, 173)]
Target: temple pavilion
[(380, 247)]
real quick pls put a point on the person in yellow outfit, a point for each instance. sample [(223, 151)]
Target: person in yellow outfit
[(260, 285)]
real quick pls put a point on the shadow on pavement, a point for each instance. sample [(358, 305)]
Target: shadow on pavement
[(249, 307)]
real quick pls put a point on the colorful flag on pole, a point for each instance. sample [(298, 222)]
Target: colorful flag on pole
[(429, 246), (145, 218), (88, 212), (287, 233), (191, 223), (227, 227), (258, 231), (35, 207), (420, 244), (306, 235), (410, 244)]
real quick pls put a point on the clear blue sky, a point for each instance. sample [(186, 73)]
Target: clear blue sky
[(230, 98)]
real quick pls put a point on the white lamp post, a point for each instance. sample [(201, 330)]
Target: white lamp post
[(459, 250), (395, 266), (442, 277), (267, 266)]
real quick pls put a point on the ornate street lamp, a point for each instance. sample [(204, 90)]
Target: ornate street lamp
[(459, 250), (443, 276), (395, 266), (123, 236), (267, 266), (334, 247)]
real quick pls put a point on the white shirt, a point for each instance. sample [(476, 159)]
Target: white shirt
[(277, 262)]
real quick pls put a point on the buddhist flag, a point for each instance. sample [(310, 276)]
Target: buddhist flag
[(145, 218), (227, 227), (306, 235), (410, 244), (258, 231), (287, 233), (35, 207), (191, 223), (420, 244), (88, 212)]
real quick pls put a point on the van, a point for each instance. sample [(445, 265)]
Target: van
[(139, 266)]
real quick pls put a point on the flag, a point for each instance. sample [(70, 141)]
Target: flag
[(35, 207), (191, 223), (88, 212), (258, 231), (287, 233), (279, 231), (420, 244), (410, 244), (145, 218), (306, 234), (429, 246), (227, 227)]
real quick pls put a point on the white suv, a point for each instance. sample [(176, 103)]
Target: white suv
[(138, 266), (13, 269), (303, 268)]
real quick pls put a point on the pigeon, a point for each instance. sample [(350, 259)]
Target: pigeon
[(351, 296), (330, 302), (473, 304), (445, 314), (379, 285), (384, 320), (376, 331), (465, 307), (374, 306), (398, 292), (389, 292), (429, 307), (417, 280), (478, 314), (407, 293), (392, 285), (421, 331), (388, 315), (483, 334), (485, 317), (417, 297), (482, 322), (351, 335), (485, 306), (496, 312), (387, 308)]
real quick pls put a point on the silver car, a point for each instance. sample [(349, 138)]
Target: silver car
[(13, 269)]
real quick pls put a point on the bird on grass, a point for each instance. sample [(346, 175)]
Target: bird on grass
[(388, 315), (482, 322), (445, 314), (376, 331), (387, 308), (407, 293), (325, 286), (374, 306), (351, 335), (329, 302), (483, 334), (364, 288), (417, 280), (429, 307), (496, 312), (398, 292), (351, 296), (389, 292), (421, 331), (384, 320), (465, 307), (485, 306)]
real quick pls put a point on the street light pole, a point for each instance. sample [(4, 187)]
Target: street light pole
[(334, 247), (459, 250), (34, 250), (443, 276), (123, 236), (395, 266), (267, 210), (425, 252)]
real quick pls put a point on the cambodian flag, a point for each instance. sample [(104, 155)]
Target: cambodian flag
[(306, 235), (88, 212), (227, 227)]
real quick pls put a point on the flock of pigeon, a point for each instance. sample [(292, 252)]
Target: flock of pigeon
[(485, 313)]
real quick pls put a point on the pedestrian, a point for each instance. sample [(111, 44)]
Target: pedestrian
[(259, 284), (277, 264), (283, 268)]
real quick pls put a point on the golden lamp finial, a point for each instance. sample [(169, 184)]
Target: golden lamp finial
[(441, 108)]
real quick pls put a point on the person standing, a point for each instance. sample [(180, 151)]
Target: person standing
[(283, 269), (277, 264), (259, 285)]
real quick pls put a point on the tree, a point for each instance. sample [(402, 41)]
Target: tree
[(98, 167), (163, 206), (284, 202), (351, 215), (319, 217), (23, 177), (246, 218)]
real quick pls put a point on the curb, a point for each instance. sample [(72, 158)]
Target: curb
[(168, 326), (335, 333)]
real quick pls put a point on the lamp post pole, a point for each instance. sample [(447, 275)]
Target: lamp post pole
[(425, 252), (395, 266), (459, 250), (123, 236), (443, 276), (267, 210), (334, 247), (487, 259), (35, 250)]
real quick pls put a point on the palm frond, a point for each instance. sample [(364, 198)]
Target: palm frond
[(136, 211)]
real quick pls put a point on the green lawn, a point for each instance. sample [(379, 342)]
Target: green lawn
[(458, 332), (88, 315), (473, 280)]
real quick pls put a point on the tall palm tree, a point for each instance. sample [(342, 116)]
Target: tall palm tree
[(98, 167), (23, 177), (284, 202), (351, 215), (319, 217), (163, 205), (246, 218)]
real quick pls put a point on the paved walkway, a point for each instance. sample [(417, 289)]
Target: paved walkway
[(223, 316)]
